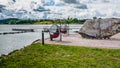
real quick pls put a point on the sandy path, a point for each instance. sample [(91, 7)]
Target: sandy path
[(77, 40)]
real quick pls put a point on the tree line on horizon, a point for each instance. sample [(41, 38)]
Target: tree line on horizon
[(42, 21)]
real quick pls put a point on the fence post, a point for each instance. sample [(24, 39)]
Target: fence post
[(43, 38)]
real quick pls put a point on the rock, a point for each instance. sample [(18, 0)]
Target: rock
[(100, 28)]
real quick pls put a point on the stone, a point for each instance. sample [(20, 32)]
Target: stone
[(100, 28)]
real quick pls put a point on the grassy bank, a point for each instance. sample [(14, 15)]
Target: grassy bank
[(56, 56)]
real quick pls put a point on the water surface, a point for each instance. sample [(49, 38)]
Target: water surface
[(11, 42)]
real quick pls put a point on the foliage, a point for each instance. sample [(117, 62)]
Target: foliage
[(21, 22), (57, 56), (75, 21), (5, 21), (17, 21), (94, 17), (41, 21)]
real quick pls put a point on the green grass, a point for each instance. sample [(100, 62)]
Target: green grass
[(44, 22), (57, 56)]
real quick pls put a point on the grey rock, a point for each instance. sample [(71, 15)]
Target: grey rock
[(100, 28)]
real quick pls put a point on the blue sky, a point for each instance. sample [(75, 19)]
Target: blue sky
[(59, 8)]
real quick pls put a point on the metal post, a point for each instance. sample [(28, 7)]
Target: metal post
[(42, 37), (68, 28), (60, 32), (99, 28), (51, 38)]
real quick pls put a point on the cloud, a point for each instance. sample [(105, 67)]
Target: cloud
[(71, 1), (81, 6), (14, 0), (49, 3), (41, 9), (60, 8), (1, 8)]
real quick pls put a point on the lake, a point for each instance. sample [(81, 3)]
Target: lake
[(11, 42)]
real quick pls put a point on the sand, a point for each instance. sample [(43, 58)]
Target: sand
[(77, 40)]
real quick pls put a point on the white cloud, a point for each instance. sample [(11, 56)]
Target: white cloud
[(62, 8)]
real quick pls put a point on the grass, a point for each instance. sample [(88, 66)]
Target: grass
[(44, 22), (57, 56)]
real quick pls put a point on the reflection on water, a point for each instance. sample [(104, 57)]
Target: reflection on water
[(12, 42)]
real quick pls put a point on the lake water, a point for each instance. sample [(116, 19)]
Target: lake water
[(10, 42)]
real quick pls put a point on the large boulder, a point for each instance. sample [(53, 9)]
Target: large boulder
[(100, 28)]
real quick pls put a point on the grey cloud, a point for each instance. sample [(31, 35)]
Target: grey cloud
[(41, 9), (70, 1), (1, 8), (99, 14), (14, 0), (105, 1), (116, 14), (81, 6), (77, 4)]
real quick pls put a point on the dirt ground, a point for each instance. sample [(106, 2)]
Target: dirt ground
[(77, 40)]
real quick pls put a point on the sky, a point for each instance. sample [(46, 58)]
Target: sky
[(52, 9)]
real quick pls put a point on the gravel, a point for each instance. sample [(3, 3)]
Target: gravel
[(77, 40)]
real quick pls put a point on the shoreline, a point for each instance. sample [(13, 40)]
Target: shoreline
[(77, 40)]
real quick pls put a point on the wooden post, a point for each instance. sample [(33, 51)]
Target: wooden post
[(43, 38)]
